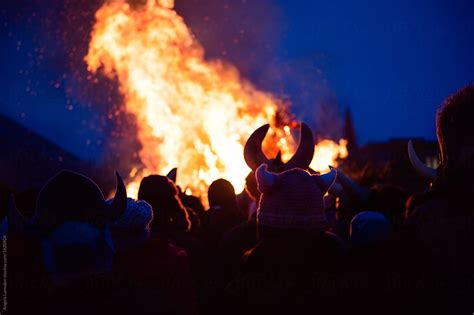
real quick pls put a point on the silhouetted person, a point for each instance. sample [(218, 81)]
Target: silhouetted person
[(64, 242), (169, 213), (223, 213), (444, 224), (171, 223), (158, 275), (295, 255)]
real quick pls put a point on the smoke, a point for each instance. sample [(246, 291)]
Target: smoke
[(51, 91), (248, 34), (46, 84)]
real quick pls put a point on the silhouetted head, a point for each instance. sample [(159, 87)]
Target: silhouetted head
[(455, 129), (369, 228), (223, 213), (221, 194), (70, 196), (158, 191), (163, 196), (254, 156), (292, 200)]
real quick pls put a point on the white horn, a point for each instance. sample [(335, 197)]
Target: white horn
[(424, 171)]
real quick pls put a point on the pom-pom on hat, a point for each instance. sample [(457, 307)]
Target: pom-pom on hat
[(136, 217), (292, 199)]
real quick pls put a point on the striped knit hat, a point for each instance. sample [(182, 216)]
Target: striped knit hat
[(292, 199)]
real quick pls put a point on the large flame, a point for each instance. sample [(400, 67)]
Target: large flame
[(191, 113), (326, 153)]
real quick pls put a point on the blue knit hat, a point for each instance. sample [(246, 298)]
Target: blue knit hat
[(369, 228)]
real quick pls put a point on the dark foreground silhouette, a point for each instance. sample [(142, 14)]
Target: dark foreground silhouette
[(293, 242)]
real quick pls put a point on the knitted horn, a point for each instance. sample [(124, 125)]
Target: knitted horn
[(265, 179), (305, 151), (253, 154)]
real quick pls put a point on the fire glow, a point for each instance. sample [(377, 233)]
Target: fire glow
[(191, 113)]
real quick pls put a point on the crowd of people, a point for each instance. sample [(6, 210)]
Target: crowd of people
[(295, 241)]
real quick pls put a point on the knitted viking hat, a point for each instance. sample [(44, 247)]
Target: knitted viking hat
[(70, 196), (292, 199)]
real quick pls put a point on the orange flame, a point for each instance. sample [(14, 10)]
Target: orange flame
[(191, 113), (326, 153)]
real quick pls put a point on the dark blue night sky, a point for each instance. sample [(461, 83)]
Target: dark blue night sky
[(391, 62)]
